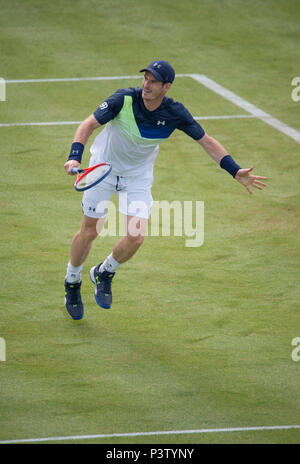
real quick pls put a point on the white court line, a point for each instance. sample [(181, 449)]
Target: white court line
[(79, 79), (247, 106), (70, 79), (228, 116), (50, 123), (202, 79), (144, 434), (66, 123)]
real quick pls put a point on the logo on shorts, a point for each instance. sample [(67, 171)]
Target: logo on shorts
[(103, 106)]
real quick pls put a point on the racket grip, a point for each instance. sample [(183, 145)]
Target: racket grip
[(75, 170)]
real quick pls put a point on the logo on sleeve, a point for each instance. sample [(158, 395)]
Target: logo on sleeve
[(103, 106)]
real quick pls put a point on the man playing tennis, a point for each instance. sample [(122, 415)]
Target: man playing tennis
[(136, 121)]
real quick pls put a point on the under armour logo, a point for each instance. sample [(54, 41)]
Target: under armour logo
[(103, 106), (156, 65), (161, 122)]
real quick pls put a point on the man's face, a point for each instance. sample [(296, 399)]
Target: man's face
[(152, 89)]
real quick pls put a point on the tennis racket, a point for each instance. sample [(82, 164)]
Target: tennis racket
[(88, 178)]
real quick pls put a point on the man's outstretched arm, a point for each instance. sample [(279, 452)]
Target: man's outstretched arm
[(220, 155)]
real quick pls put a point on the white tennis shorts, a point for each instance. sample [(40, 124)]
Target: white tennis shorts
[(135, 198)]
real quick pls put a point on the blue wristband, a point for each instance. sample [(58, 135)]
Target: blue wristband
[(76, 151), (229, 165)]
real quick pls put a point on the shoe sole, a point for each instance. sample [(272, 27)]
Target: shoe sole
[(95, 293)]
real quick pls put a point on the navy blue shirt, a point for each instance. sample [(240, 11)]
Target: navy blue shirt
[(157, 124)]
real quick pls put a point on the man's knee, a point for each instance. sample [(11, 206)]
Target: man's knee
[(136, 230), (88, 229), (137, 239)]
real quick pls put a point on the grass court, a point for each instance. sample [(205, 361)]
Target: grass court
[(197, 338)]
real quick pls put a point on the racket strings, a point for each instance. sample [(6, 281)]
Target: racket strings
[(92, 176)]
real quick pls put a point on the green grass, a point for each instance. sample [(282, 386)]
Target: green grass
[(197, 337)]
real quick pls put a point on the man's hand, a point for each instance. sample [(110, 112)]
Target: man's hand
[(244, 177), (71, 164)]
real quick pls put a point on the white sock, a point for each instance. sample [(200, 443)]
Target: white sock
[(110, 264), (73, 273)]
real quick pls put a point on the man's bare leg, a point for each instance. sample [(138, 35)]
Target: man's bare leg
[(128, 245), (123, 250), (81, 245), (82, 240)]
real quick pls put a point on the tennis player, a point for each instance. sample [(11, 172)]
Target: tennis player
[(136, 121)]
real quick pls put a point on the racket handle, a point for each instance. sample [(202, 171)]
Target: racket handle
[(75, 170)]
